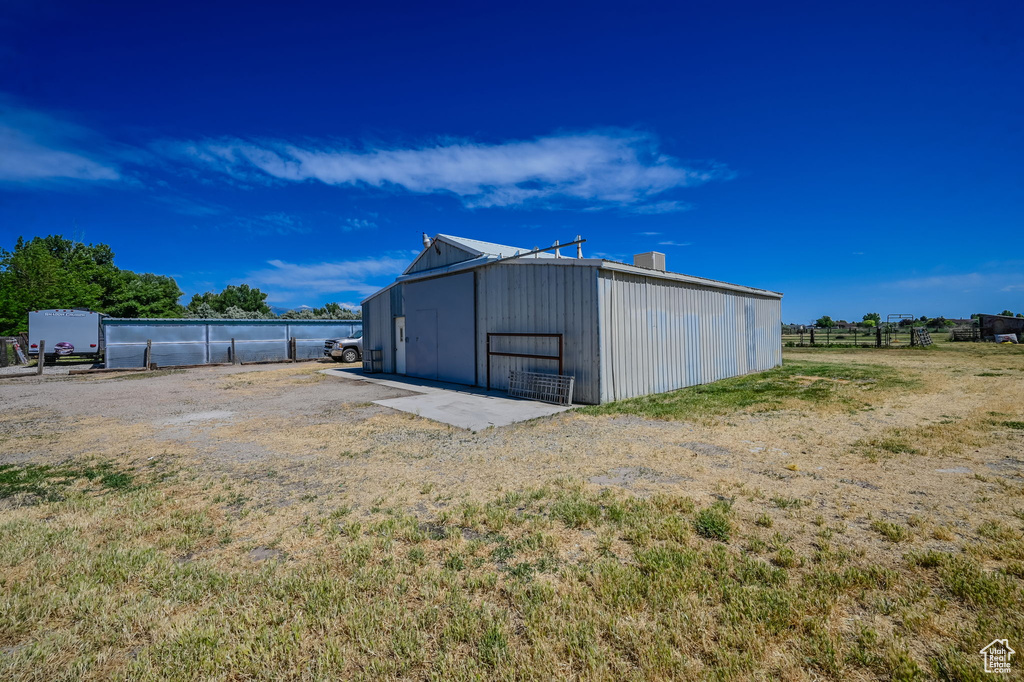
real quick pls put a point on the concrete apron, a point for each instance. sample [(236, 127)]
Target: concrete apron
[(462, 406)]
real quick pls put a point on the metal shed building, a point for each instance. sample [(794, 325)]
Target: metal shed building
[(464, 309)]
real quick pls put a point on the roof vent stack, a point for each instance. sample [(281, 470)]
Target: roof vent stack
[(652, 260), (579, 246)]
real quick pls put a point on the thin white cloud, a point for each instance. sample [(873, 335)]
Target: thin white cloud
[(38, 148), (293, 279), (598, 169), (660, 207), (648, 234), (355, 224), (674, 243)]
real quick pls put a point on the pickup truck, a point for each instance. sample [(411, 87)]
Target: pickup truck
[(349, 349)]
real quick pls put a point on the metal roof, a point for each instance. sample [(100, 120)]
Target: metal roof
[(480, 248), (488, 253)]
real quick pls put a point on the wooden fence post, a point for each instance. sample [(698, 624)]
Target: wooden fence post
[(293, 350), (878, 337), (41, 360), (148, 359), (234, 355), (3, 353), (812, 336)]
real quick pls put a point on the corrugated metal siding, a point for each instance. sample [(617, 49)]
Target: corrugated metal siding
[(658, 335), (195, 342), (378, 326), (439, 255), (540, 297)]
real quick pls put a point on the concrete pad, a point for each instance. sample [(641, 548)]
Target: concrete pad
[(463, 406)]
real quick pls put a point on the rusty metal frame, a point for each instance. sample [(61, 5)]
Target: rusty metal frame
[(560, 357)]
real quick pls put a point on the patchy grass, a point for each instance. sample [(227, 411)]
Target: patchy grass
[(890, 531), (713, 522), (137, 584), (31, 482), (797, 383)]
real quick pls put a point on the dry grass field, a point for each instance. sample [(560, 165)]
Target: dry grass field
[(855, 515)]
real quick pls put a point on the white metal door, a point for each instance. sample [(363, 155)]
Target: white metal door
[(399, 345)]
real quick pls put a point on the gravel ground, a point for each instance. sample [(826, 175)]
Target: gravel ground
[(58, 370), (182, 397)]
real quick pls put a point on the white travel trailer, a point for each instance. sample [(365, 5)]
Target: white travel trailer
[(80, 328)]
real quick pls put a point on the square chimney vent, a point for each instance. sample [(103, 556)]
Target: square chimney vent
[(652, 260)]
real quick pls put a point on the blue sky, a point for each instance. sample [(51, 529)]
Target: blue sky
[(857, 156)]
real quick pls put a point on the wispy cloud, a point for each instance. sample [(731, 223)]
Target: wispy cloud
[(39, 148), (182, 205), (351, 276), (596, 169), (648, 234), (278, 223), (674, 243), (660, 207), (354, 224)]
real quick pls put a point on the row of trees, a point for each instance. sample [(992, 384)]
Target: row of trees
[(54, 272)]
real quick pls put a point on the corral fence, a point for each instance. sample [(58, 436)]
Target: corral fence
[(172, 342), (858, 337)]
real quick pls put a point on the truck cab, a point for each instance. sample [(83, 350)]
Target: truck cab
[(348, 349)]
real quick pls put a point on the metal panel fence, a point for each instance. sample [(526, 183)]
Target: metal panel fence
[(198, 342)]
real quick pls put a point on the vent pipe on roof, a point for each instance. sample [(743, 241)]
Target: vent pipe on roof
[(579, 247), (558, 252), (652, 260)]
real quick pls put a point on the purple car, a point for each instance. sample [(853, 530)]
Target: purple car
[(63, 348)]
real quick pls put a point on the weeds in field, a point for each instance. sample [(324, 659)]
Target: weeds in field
[(840, 385), (714, 522), (34, 482), (491, 590), (890, 531)]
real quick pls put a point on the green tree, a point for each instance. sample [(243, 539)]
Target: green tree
[(1008, 313), (874, 317), (825, 321), (54, 272), (248, 299), (334, 311), (869, 323), (143, 295)]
